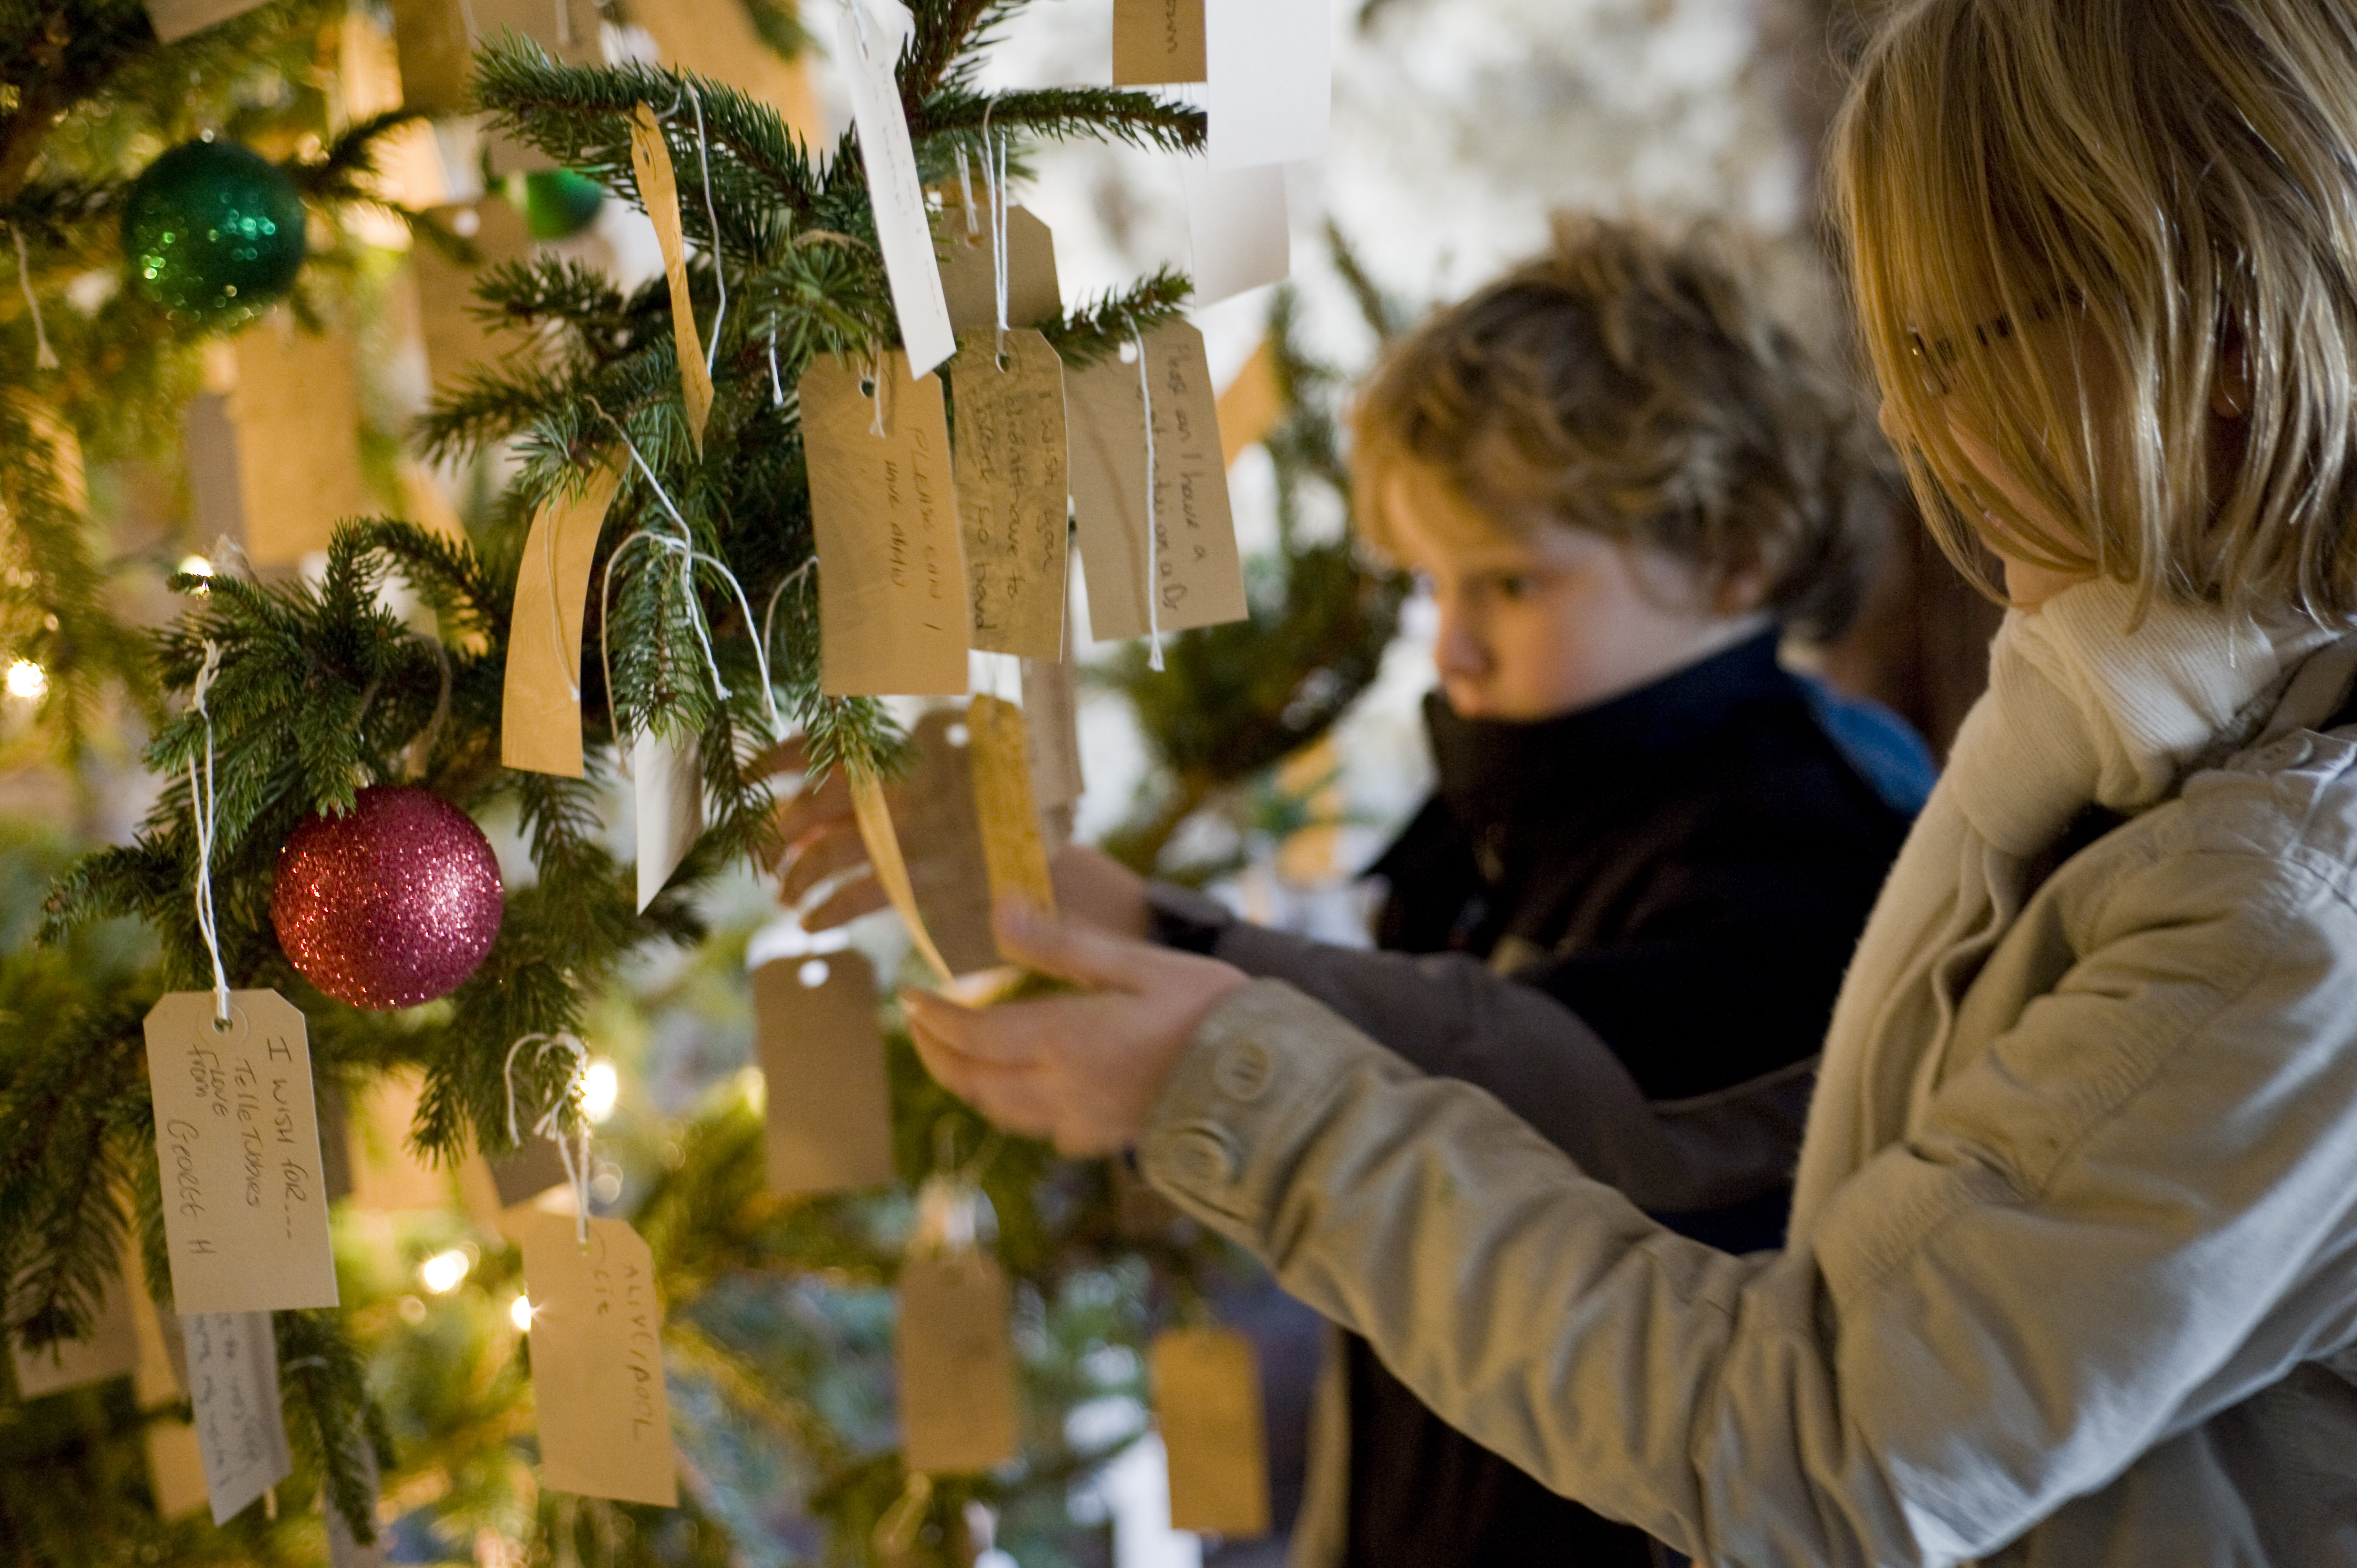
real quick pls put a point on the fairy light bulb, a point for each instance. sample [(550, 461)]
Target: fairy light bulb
[(441, 1273), (26, 680), (600, 1087)]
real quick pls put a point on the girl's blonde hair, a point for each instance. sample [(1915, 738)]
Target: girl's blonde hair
[(2166, 188)]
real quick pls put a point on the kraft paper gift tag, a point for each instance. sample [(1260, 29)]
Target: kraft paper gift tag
[(716, 38), (883, 844), (388, 1177), (1241, 234), (1011, 844), (237, 1139), (456, 340), (1157, 41), (940, 832), (429, 38), (1270, 64), (822, 1053), (667, 788), (176, 1468), (177, 19), (1012, 490), (1051, 719), (1207, 1401), (276, 461), (540, 717), (956, 1367), (970, 278), (233, 1388), (869, 39), (568, 29), (1252, 405), (1198, 573), (111, 1350), (408, 171), (659, 189), (597, 1360), (891, 575)]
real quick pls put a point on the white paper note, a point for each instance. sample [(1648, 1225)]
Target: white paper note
[(1241, 234), (667, 780), (1271, 64), (233, 1385), (870, 38)]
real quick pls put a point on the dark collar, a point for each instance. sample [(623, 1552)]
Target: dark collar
[(1493, 771)]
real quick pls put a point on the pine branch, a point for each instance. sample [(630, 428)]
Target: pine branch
[(1086, 336), (322, 1384), (1113, 114)]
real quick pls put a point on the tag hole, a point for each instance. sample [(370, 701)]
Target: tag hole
[(866, 387), (957, 735), (1002, 362), (223, 1026), (812, 974), (1129, 353)]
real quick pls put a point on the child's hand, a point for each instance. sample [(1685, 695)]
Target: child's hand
[(1084, 1070), (820, 839), (1093, 888)]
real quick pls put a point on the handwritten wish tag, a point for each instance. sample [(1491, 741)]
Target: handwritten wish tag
[(1242, 233), (1011, 844), (1157, 41), (597, 1360), (970, 278), (1051, 722), (457, 339), (957, 1370), (891, 575), (940, 829), (821, 1056), (883, 843), (177, 19), (297, 413), (1197, 572), (1012, 490), (233, 1388), (659, 189), (667, 788), (1207, 1401), (540, 717), (237, 1138), (1271, 67), (871, 34), (110, 1349)]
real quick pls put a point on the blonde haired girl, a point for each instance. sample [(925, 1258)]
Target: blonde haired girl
[(2073, 1268)]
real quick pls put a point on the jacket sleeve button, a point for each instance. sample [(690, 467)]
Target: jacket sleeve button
[(1242, 1070), (1201, 1158)]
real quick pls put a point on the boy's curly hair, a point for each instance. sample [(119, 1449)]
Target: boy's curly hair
[(1633, 385)]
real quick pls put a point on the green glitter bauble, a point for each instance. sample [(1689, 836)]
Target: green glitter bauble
[(558, 203), (214, 231)]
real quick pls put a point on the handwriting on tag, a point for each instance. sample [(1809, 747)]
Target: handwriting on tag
[(457, 339), (891, 573), (1011, 844), (1270, 64), (597, 1360), (110, 1349), (939, 830), (1051, 718), (1012, 490), (821, 1056), (177, 19), (957, 1372), (970, 278), (294, 415), (870, 35), (237, 1139), (540, 717), (659, 190), (1198, 573), (1157, 41), (1207, 1401), (233, 1388), (883, 843), (667, 788)]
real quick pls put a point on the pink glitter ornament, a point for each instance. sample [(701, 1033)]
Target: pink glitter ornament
[(394, 904)]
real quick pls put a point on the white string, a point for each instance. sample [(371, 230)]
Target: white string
[(574, 1156), (202, 802), (1153, 530), (769, 616), (777, 387), (711, 216), (965, 189), (998, 235), (876, 425), (564, 24), (43, 355)]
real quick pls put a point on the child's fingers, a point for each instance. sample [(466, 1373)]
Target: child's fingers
[(817, 856), (1081, 954), (860, 895)]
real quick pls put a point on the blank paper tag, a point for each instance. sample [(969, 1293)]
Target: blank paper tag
[(1271, 67), (940, 832), (111, 1350), (1011, 844), (1012, 490), (1157, 41), (970, 278), (1051, 718), (957, 1372), (891, 573), (237, 1139), (297, 414), (667, 787), (821, 1056), (883, 846), (233, 1387), (1207, 1402), (659, 188), (388, 1176), (430, 36), (597, 1360), (1242, 238), (870, 36), (176, 1468), (456, 340), (1199, 576), (176, 19), (540, 717)]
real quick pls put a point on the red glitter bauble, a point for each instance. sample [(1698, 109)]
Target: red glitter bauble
[(392, 904)]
